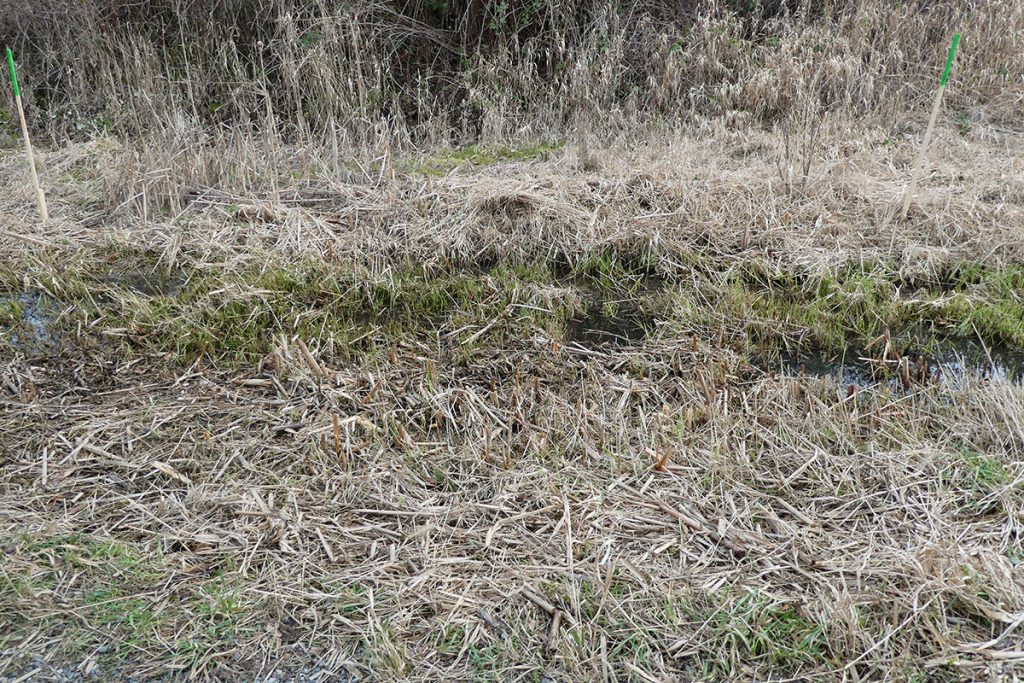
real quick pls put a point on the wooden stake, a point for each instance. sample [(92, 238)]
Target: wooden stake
[(921, 155), (40, 197)]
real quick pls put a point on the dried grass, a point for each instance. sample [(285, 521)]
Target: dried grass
[(436, 512), (482, 496)]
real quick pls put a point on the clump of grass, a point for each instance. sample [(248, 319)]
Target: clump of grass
[(114, 596), (234, 316), (750, 628), (853, 307), (980, 480)]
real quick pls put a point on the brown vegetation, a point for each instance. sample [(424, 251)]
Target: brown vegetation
[(515, 377)]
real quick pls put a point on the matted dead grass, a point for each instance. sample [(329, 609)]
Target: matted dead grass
[(488, 498)]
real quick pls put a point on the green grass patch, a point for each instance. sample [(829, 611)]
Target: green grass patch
[(121, 601), (976, 477), (127, 302), (234, 318), (851, 306), (111, 593), (752, 629)]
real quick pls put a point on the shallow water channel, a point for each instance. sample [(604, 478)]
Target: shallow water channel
[(950, 360)]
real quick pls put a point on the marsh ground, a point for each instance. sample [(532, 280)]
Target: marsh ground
[(541, 414)]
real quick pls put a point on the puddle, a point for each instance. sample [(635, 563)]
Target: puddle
[(972, 360), (609, 323), (843, 370), (951, 361), (26, 320)]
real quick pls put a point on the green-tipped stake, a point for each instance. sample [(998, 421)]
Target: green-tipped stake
[(40, 197), (931, 127)]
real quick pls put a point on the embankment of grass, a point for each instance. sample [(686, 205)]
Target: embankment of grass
[(234, 315)]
